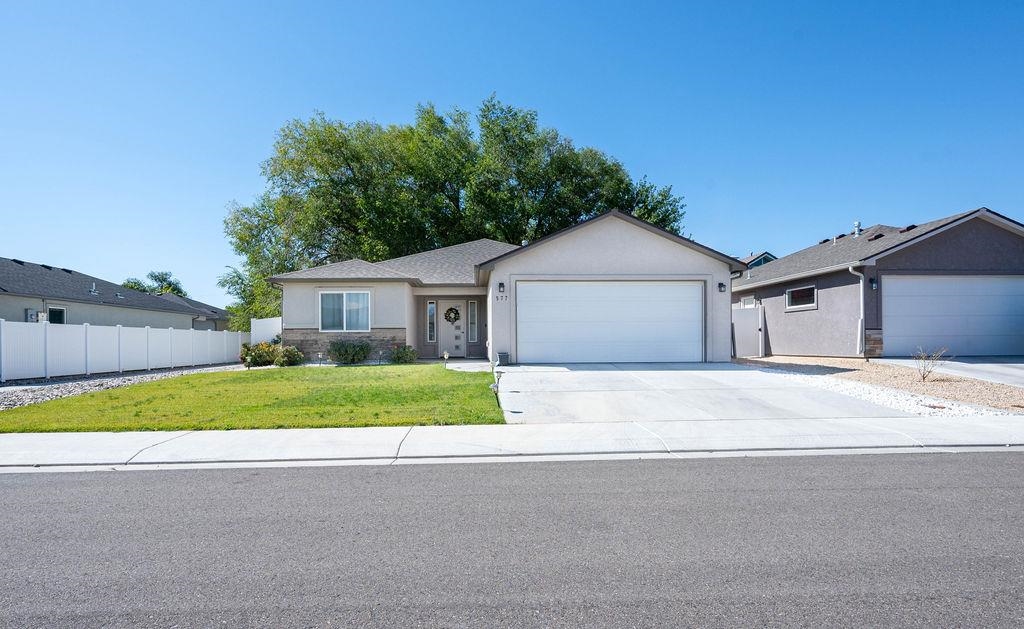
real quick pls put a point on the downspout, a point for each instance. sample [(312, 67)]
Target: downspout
[(860, 322)]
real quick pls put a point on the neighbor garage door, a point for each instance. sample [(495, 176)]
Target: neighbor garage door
[(969, 315), (574, 321)]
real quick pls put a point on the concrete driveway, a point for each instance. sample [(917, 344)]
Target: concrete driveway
[(665, 392), (1001, 369)]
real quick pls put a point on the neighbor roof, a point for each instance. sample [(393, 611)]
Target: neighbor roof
[(846, 250), (755, 256), (50, 282), (445, 266), (206, 310)]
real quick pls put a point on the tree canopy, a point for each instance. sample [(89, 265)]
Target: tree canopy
[(158, 282), (340, 190)]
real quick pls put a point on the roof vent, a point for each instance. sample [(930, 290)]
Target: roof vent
[(908, 228), (856, 229), (119, 295), (68, 271), (876, 236), (17, 261), (47, 267), (93, 291), (823, 241)]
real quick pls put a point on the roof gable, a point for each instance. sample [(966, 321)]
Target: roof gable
[(734, 264)]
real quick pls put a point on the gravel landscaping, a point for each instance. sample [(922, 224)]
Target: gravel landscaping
[(898, 387), (24, 392)]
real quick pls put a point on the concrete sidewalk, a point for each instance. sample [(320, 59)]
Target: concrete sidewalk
[(21, 452)]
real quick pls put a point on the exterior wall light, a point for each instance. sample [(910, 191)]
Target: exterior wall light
[(874, 284), (501, 287), (721, 287)]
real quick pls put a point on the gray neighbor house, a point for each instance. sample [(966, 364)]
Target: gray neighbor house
[(955, 283), (41, 292)]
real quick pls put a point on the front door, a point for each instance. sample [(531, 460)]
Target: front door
[(452, 328)]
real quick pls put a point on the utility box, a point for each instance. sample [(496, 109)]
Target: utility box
[(503, 358), (32, 315)]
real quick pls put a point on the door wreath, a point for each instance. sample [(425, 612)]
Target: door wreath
[(452, 315)]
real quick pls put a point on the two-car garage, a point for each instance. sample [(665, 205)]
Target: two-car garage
[(609, 321), (965, 315)]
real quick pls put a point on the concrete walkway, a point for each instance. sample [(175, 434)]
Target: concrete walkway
[(1000, 369), (139, 450)]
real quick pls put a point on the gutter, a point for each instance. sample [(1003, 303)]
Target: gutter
[(797, 276), (860, 322)]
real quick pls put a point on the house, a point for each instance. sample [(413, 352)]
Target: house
[(954, 283), (207, 317), (41, 292), (757, 259), (611, 289)]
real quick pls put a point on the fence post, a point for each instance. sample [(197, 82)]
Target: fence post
[(3, 370), (85, 332), (170, 347), (192, 345), (46, 349), (147, 349), (120, 362), (209, 347)]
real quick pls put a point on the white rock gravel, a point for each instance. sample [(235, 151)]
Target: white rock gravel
[(34, 391), (897, 399)]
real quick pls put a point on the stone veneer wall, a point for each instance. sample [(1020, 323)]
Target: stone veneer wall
[(872, 343), (310, 341)]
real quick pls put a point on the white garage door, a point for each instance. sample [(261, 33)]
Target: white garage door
[(969, 315), (587, 322)]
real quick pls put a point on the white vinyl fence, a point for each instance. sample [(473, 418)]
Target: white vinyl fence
[(45, 350), (264, 329)]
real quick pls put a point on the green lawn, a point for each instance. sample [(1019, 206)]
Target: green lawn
[(293, 397)]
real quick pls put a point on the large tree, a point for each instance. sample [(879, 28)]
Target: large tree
[(363, 190), (156, 282)]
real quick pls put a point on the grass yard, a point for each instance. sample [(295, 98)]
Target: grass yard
[(293, 397)]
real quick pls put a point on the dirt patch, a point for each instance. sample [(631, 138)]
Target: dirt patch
[(956, 388)]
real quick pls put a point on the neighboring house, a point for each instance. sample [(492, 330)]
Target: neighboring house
[(757, 259), (207, 317), (611, 289), (40, 292), (957, 283)]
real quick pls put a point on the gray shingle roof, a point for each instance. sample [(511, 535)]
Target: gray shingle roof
[(210, 312), (844, 250), (50, 282), (448, 265), (755, 256)]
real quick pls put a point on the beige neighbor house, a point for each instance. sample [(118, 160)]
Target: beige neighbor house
[(611, 289)]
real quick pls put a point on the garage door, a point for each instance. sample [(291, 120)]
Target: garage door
[(561, 322), (970, 315)]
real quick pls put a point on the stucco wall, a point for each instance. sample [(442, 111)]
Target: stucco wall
[(388, 303), (610, 249), (12, 308), (832, 329), (975, 248)]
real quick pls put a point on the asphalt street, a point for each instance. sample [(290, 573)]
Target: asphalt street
[(914, 540)]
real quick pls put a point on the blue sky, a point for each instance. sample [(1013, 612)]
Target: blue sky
[(125, 130)]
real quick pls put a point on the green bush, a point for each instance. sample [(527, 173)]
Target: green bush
[(402, 354), (258, 355), (288, 355), (349, 352)]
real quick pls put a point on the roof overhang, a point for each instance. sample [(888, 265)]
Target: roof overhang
[(482, 270), (797, 276), (278, 281), (983, 213)]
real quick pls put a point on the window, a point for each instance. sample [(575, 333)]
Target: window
[(431, 322), (56, 315), (345, 311), (472, 322), (802, 298), (747, 302)]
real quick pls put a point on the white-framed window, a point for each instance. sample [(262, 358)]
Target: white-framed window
[(748, 302), (57, 315), (802, 298), (344, 311), (471, 322), (431, 321)]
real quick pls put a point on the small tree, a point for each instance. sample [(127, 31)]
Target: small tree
[(159, 282), (927, 362)]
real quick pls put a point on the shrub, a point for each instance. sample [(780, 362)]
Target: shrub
[(927, 361), (349, 352), (288, 355), (402, 354), (258, 355)]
